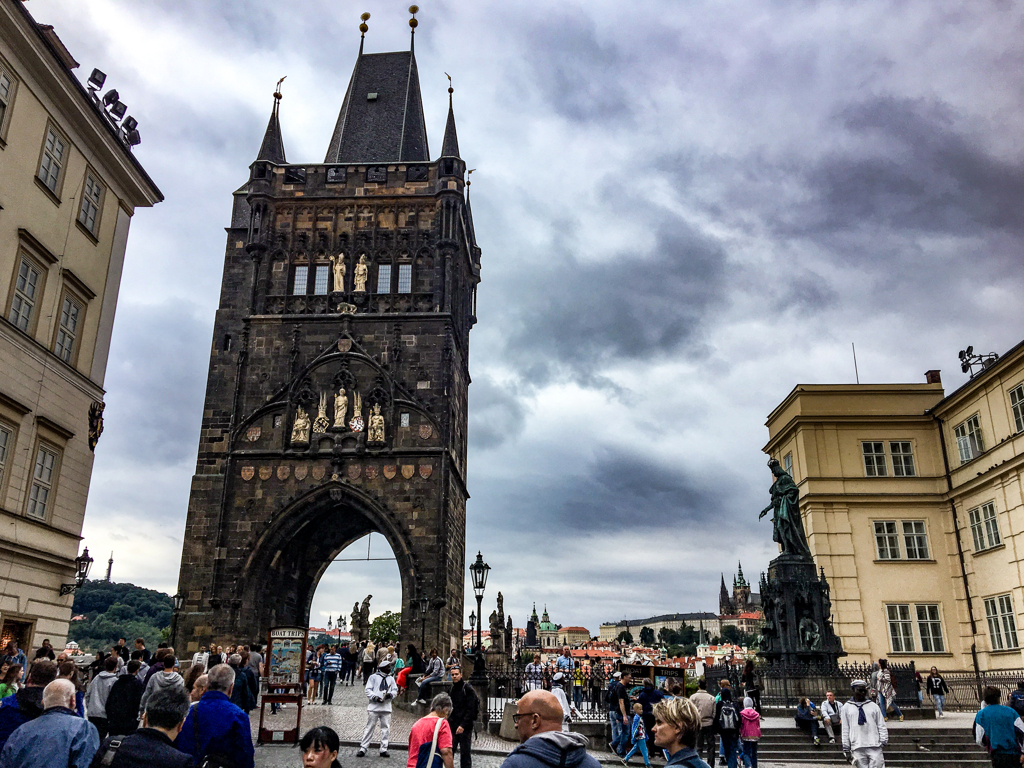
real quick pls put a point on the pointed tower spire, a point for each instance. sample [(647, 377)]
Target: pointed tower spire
[(272, 148), (740, 581), (450, 145)]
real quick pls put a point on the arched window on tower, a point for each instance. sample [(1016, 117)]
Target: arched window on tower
[(383, 278), (405, 278)]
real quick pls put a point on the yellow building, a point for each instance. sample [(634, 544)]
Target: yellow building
[(912, 503), (69, 185)]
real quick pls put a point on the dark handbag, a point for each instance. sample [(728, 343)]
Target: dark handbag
[(212, 759)]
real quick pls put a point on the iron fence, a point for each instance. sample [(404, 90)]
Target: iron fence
[(508, 681), (965, 688)]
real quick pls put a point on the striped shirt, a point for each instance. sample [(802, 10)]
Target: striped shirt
[(332, 662)]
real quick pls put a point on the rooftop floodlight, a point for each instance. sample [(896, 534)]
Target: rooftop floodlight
[(133, 138), (110, 97), (97, 79), (130, 124), (117, 111)]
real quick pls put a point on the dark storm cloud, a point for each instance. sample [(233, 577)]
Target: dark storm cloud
[(496, 412), (915, 168), (577, 316), (159, 358)]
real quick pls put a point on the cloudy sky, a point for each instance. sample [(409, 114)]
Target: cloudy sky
[(685, 209)]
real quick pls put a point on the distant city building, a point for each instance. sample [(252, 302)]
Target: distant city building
[(573, 636), (708, 622), (742, 601), (69, 185)]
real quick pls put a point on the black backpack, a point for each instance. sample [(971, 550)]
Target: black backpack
[(727, 718)]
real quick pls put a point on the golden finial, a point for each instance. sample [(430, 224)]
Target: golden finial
[(362, 27), (468, 182), (413, 9), (450, 89), (277, 88)]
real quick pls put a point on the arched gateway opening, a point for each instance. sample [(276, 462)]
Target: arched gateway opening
[(284, 569)]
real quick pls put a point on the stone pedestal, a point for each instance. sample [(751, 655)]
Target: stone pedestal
[(797, 614)]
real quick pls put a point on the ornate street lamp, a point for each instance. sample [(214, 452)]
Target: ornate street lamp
[(424, 606), (82, 565), (177, 600), (479, 571)]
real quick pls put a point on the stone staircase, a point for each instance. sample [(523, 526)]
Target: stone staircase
[(946, 748)]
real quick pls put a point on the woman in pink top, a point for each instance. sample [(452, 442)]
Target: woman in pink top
[(750, 732), (422, 735)]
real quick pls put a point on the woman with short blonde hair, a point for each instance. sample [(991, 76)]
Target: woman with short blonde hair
[(676, 725)]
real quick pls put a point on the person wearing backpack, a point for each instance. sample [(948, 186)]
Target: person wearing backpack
[(430, 738), (1017, 698), (727, 726), (750, 732), (381, 688), (938, 689), (217, 731)]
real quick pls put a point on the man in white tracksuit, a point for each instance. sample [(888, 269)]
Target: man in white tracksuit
[(381, 688), (864, 731)]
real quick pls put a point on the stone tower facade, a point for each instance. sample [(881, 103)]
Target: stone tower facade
[(337, 392)]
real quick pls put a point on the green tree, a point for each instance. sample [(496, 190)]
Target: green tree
[(384, 628), (115, 610), (668, 636), (646, 636), (625, 637)]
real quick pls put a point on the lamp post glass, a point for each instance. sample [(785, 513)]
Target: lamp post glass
[(82, 565)]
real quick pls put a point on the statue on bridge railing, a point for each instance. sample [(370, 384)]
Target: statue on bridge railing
[(788, 529)]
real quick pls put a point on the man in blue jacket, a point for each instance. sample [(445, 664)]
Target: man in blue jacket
[(58, 737), (1000, 729), (538, 720), (27, 703), (215, 726)]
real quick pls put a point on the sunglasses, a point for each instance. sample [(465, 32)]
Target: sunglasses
[(517, 715)]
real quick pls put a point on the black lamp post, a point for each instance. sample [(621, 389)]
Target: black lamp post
[(82, 565), (479, 570), (424, 605), (178, 599)]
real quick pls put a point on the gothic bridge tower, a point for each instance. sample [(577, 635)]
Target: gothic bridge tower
[(336, 399)]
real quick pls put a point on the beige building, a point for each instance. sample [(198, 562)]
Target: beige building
[(912, 503), (68, 188), (709, 622), (573, 636)]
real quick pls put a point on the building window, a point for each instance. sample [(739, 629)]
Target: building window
[(887, 540), (320, 279), (68, 330), (89, 213), (969, 440), (901, 630), (874, 459), (929, 628), (6, 443), (26, 288), (6, 92), (984, 527), (1017, 404), (383, 278), (915, 539), (405, 278), (42, 483), (299, 280), (787, 463), (902, 459), (52, 161), (1002, 626)]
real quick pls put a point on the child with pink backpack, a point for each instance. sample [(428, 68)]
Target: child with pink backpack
[(750, 732)]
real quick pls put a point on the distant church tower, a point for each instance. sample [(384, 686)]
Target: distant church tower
[(740, 592), (725, 606), (336, 403)]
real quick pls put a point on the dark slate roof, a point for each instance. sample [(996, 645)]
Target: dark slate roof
[(272, 149), (666, 617), (450, 146), (389, 128)]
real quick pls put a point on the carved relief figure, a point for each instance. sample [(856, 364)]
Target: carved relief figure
[(322, 422), (361, 273), (810, 636), (300, 429), (356, 423), (339, 272), (340, 408), (355, 623), (364, 615), (375, 433)]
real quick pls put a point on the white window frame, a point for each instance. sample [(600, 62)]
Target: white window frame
[(24, 301), (984, 522), (874, 460), (913, 538), (405, 278), (383, 278), (44, 481), (887, 530), (787, 463), (902, 453), (65, 345), (53, 160), (92, 202), (901, 627), (970, 441), (8, 89), (932, 640), (1017, 407), (1002, 622)]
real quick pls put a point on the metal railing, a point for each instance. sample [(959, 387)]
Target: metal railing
[(508, 682)]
